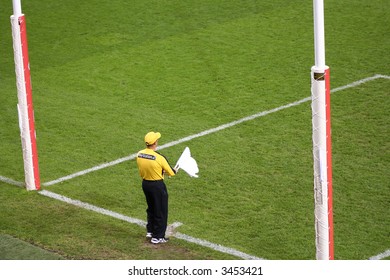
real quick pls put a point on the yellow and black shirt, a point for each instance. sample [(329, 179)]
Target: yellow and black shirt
[(152, 166)]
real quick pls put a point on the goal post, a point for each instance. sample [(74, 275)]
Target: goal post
[(25, 102), (322, 143)]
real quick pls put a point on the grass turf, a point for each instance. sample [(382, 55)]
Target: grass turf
[(105, 75)]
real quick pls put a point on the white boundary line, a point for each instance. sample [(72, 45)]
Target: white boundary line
[(359, 82), (178, 235), (216, 247), (141, 223), (383, 255), (209, 131), (93, 208), (11, 181)]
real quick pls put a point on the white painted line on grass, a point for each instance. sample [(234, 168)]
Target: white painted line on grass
[(383, 76), (216, 247), (93, 208), (141, 223), (11, 181), (362, 81), (209, 131), (381, 256), (176, 225), (89, 170)]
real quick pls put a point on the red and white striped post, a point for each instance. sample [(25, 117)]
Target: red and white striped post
[(322, 144), (25, 102)]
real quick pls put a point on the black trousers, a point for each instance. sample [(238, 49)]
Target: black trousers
[(156, 195)]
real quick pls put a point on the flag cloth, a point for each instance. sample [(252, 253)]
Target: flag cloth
[(187, 163)]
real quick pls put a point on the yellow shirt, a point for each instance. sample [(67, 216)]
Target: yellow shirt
[(152, 166)]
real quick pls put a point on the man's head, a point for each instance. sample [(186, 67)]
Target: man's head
[(151, 138)]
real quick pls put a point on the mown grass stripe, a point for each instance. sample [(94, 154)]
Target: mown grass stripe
[(206, 132), (209, 131)]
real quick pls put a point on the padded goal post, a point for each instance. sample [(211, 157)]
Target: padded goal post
[(322, 158), (25, 102), (322, 142)]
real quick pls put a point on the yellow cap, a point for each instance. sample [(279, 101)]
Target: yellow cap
[(152, 137)]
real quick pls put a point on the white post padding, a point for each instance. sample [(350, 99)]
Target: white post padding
[(22, 104), (320, 162)]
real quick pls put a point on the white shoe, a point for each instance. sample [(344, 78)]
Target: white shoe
[(159, 240), (148, 235)]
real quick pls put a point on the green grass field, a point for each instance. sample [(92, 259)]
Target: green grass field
[(104, 73)]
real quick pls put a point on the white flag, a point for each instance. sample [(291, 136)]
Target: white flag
[(187, 163)]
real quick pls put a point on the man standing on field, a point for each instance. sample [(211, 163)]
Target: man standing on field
[(152, 167)]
